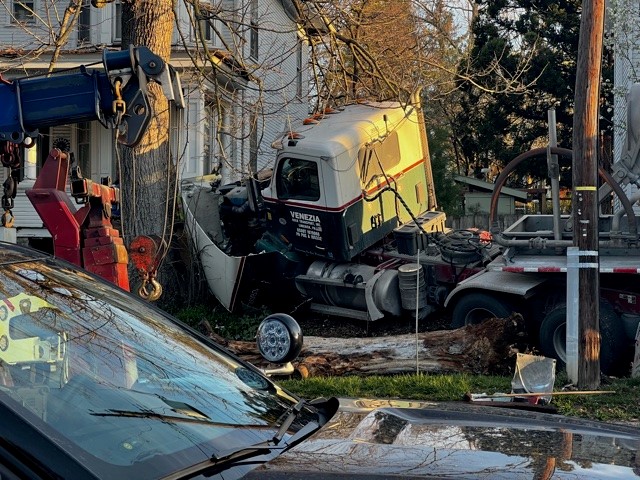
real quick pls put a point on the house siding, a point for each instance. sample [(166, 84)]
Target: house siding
[(277, 65), (14, 35)]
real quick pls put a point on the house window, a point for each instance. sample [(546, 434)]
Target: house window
[(117, 21), (84, 148), (218, 149), (299, 67), (253, 30), (84, 23), (253, 143), (204, 27), (209, 147), (23, 12)]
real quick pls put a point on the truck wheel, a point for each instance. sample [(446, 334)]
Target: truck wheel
[(553, 335), (476, 307)]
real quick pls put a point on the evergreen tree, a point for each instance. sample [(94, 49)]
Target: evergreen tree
[(540, 39)]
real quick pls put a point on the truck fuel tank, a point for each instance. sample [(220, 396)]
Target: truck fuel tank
[(363, 288)]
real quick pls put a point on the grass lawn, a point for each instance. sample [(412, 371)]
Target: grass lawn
[(622, 406)]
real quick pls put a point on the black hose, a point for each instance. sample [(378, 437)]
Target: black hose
[(506, 171)]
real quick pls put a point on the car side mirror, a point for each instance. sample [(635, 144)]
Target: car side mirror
[(279, 339)]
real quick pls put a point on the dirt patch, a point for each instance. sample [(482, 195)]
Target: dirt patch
[(313, 324)]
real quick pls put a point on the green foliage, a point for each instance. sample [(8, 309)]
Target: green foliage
[(448, 193), (223, 323), (621, 406)]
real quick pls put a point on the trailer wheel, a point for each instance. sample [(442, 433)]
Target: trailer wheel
[(476, 307), (553, 335)]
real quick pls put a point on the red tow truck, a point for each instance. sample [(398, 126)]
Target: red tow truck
[(116, 96)]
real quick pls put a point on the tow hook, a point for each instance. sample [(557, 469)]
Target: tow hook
[(144, 254)]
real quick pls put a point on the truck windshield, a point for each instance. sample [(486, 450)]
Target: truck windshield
[(298, 179), (128, 387)]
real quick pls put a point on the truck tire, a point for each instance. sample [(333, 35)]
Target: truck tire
[(476, 307), (553, 336)]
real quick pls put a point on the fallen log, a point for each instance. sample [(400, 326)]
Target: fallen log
[(487, 348)]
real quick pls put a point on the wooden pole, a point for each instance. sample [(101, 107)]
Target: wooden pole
[(479, 396), (585, 191)]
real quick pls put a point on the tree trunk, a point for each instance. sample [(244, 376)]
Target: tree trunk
[(488, 348), (147, 172)]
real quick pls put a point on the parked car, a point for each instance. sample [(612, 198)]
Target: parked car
[(96, 383)]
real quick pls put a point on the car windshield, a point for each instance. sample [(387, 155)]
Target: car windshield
[(113, 377)]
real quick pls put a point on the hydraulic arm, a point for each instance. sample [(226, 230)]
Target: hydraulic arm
[(116, 96)]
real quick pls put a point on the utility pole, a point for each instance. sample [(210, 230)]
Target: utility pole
[(585, 190)]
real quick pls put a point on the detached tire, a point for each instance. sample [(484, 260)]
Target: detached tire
[(474, 308), (553, 335)]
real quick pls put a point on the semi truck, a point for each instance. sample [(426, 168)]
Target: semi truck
[(346, 221)]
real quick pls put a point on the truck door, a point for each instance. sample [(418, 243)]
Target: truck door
[(299, 215)]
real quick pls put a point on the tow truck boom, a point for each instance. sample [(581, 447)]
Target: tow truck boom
[(117, 97)]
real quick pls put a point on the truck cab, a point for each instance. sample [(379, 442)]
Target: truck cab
[(346, 187), (342, 184)]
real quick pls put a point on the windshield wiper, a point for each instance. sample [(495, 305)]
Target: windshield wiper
[(228, 457), (173, 418), (222, 460), (159, 416), (264, 447), (291, 414)]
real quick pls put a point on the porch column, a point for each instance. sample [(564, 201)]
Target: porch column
[(30, 162)]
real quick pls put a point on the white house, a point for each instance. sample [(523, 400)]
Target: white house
[(623, 23), (255, 107)]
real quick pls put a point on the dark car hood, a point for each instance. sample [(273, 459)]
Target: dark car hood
[(382, 439)]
